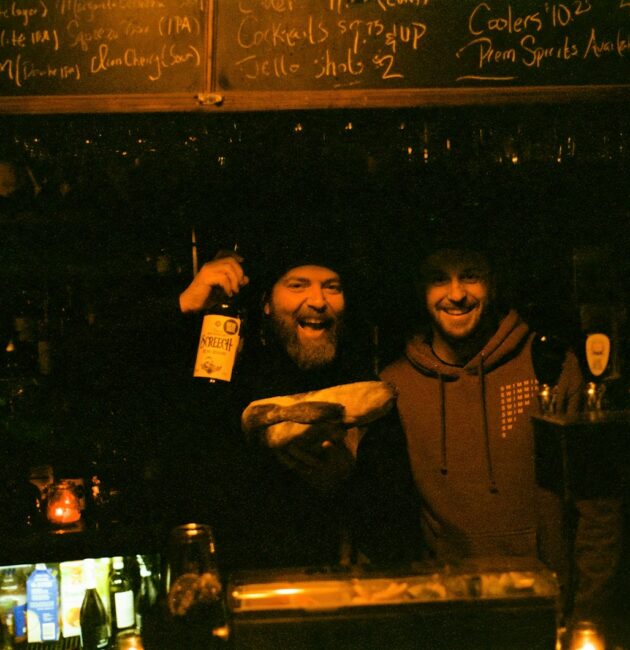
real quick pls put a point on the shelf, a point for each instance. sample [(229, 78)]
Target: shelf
[(592, 419), (48, 545)]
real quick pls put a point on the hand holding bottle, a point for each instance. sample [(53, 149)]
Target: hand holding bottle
[(224, 275)]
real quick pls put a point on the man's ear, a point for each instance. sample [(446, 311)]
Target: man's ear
[(266, 308)]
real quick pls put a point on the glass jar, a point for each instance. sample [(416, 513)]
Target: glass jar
[(586, 636), (194, 590), (63, 507)]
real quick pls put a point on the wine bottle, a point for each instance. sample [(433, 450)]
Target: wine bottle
[(220, 339), (13, 590), (147, 594), (121, 597), (6, 631), (93, 618)]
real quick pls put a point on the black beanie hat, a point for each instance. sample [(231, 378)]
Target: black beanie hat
[(287, 255)]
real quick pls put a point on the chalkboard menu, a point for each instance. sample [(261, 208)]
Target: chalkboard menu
[(384, 44), (96, 47), (266, 54)]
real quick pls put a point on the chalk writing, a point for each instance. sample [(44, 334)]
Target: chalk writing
[(84, 47), (334, 42), (23, 12), (507, 43), (23, 71), (102, 46), (316, 44)]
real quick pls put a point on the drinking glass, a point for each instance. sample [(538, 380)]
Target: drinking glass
[(193, 584)]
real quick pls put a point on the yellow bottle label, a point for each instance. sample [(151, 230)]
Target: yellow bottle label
[(218, 346)]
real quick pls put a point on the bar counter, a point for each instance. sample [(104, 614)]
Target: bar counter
[(488, 603)]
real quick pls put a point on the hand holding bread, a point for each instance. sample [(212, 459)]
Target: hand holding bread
[(279, 420)]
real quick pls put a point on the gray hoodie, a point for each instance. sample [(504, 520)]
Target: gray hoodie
[(471, 446)]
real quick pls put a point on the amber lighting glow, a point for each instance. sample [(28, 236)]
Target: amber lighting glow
[(586, 637), (63, 506)]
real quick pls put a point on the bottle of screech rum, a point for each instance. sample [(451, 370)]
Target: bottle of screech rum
[(220, 339)]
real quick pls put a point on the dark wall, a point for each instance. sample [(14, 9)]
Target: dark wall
[(115, 194)]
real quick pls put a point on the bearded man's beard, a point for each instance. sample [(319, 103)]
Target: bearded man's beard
[(307, 354)]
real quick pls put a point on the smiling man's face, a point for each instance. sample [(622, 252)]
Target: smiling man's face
[(306, 312), (458, 292)]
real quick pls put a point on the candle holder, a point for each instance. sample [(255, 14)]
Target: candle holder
[(548, 399), (63, 508), (594, 396), (585, 636)]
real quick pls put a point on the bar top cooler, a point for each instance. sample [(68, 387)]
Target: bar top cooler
[(487, 603)]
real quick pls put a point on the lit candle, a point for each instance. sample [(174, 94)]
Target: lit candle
[(586, 637), (63, 505)]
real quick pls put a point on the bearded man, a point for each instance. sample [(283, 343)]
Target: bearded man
[(305, 311), (292, 504)]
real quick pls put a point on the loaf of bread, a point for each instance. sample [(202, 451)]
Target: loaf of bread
[(283, 418)]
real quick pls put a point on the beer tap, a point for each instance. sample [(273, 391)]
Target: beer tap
[(597, 352)]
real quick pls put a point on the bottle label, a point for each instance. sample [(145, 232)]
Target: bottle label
[(72, 591), (218, 346), (19, 621), (124, 615)]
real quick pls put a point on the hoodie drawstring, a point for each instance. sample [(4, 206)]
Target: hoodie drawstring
[(486, 434), (443, 465), (482, 389)]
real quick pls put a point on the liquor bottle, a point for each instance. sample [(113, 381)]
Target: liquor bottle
[(93, 618), (6, 631), (7, 605), (147, 594), (121, 597), (13, 593), (220, 339)]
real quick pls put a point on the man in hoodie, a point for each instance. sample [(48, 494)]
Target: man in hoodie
[(467, 391)]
